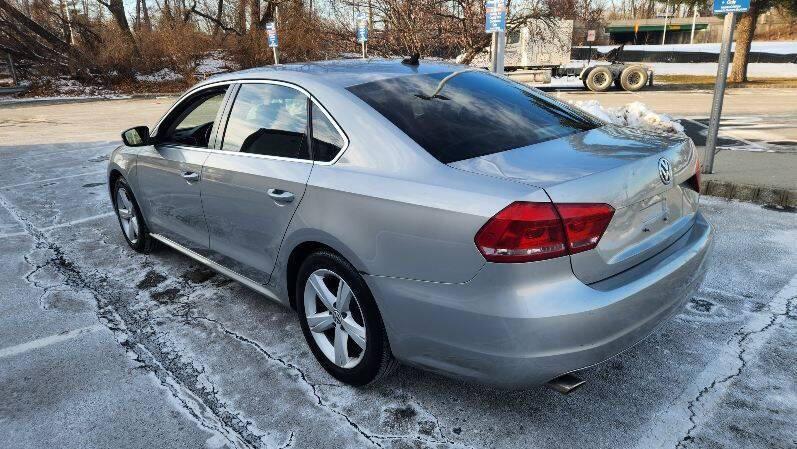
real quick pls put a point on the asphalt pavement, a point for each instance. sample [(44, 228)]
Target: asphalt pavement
[(103, 347)]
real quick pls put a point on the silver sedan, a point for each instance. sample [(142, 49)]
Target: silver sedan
[(426, 213)]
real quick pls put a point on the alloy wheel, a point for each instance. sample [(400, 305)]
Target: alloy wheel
[(127, 215), (335, 318)]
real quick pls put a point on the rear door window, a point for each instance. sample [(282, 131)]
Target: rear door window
[(469, 114), (268, 119), (327, 141)]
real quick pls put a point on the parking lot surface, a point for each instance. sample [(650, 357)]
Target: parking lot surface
[(103, 347)]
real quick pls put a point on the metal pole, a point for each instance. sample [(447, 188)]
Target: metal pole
[(493, 52), (666, 16), (719, 92), (499, 50), (362, 43), (276, 27), (694, 19)]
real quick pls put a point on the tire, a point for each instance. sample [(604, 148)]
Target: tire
[(633, 78), (584, 77), (130, 219), (358, 319), (599, 79)]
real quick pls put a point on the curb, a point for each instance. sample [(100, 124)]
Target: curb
[(751, 193), (66, 100)]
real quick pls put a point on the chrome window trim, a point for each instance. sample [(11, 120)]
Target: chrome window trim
[(315, 102), (261, 156), (185, 96)]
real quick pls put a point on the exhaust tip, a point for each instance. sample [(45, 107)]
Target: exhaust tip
[(566, 383)]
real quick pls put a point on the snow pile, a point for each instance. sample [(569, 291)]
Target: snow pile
[(774, 47), (52, 88), (214, 62), (635, 115), (160, 76)]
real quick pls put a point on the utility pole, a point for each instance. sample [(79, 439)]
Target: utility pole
[(694, 20), (666, 16)]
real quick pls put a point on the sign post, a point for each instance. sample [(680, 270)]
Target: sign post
[(496, 24), (590, 40), (729, 8), (362, 32), (271, 30)]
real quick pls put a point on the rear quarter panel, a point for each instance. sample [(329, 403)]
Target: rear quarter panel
[(393, 210)]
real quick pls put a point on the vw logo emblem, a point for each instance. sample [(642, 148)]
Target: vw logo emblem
[(665, 171)]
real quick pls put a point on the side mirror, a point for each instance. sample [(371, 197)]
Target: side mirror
[(136, 137)]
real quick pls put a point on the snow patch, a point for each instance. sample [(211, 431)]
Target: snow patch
[(213, 63), (634, 115), (754, 69), (160, 76), (774, 47)]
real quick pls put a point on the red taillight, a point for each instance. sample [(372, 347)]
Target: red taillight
[(522, 232), (584, 224), (697, 175), (525, 232), (694, 181)]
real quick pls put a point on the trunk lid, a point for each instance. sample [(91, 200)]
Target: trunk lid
[(616, 166)]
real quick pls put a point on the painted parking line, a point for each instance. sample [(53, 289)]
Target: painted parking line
[(47, 341), (11, 186), (78, 221)]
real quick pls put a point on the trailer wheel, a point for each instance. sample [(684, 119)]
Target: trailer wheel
[(599, 79), (633, 78), (584, 76)]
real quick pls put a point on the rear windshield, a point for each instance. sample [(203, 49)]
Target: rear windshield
[(472, 114)]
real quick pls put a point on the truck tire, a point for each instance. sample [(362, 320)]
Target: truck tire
[(584, 76), (633, 78), (599, 79)]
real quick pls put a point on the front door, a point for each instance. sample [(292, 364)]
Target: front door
[(170, 172), (252, 187)]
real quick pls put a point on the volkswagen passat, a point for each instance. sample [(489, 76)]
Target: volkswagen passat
[(425, 213)]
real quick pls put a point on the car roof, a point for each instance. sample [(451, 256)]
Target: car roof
[(339, 73)]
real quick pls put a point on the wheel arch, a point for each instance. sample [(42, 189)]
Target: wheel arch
[(303, 249)]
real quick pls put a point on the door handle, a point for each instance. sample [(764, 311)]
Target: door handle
[(281, 196), (190, 176)]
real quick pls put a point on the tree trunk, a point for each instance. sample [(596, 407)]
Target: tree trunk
[(219, 13), (745, 30), (145, 12), (254, 14), (240, 16), (138, 15), (66, 23), (117, 9)]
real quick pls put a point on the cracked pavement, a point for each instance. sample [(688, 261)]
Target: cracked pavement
[(103, 347)]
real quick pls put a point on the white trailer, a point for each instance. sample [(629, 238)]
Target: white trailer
[(540, 50)]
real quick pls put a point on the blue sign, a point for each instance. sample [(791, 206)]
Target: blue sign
[(271, 29), (723, 6), (362, 28), (496, 16)]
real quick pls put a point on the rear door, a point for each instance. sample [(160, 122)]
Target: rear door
[(169, 172), (253, 185)]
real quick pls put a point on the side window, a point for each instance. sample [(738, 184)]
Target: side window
[(268, 119), (193, 124), (327, 141)]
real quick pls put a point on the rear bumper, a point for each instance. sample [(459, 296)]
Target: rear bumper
[(517, 325)]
